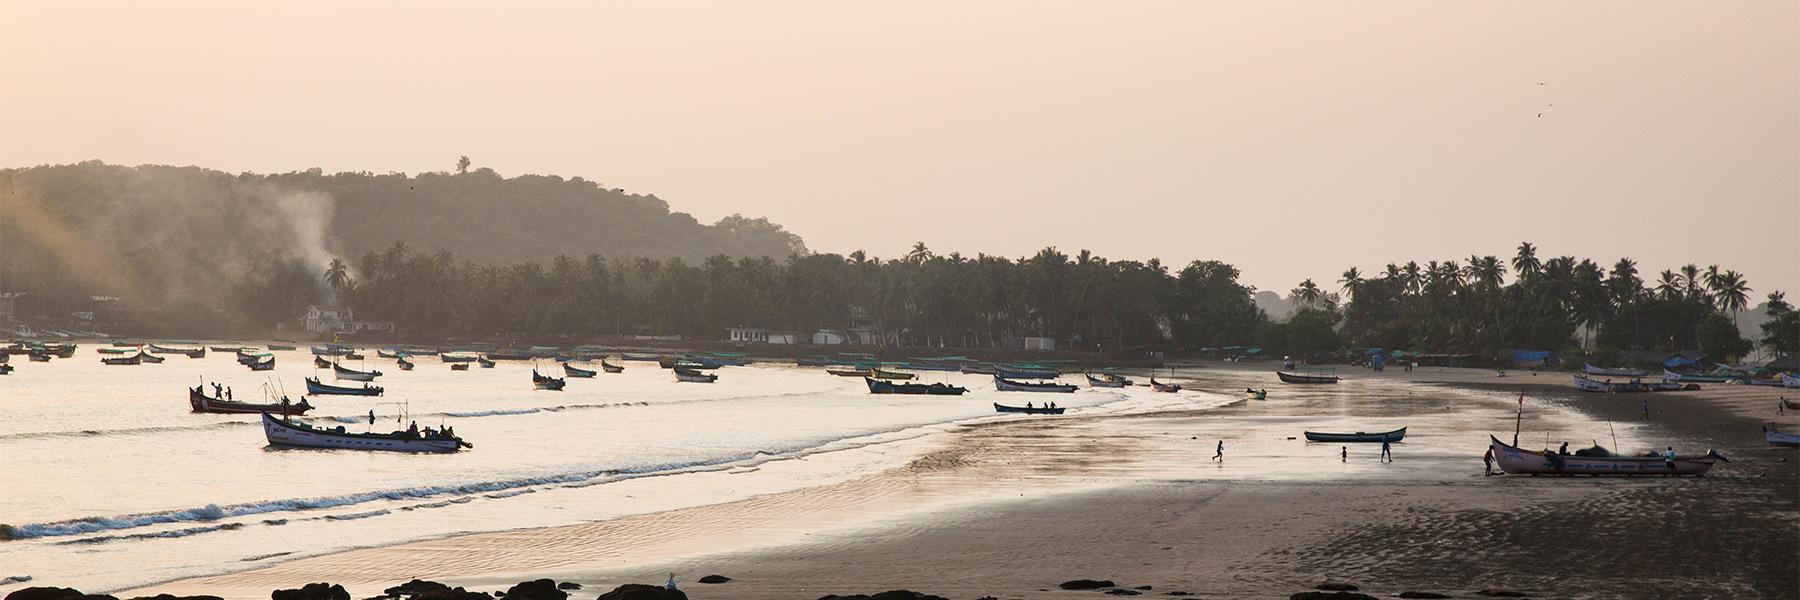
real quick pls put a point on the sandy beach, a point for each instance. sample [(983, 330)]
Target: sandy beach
[(1012, 509)]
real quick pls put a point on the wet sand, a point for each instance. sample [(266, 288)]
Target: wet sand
[(1010, 509)]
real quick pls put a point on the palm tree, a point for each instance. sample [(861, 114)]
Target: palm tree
[(1668, 285), (1690, 282), (1410, 275), (1352, 279), (1624, 285), (337, 274), (1732, 292), (1526, 263), (1308, 294)]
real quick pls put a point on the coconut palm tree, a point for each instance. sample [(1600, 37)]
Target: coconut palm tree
[(337, 275), (1732, 293), (1690, 282), (1308, 294), (1668, 285), (1526, 263), (1351, 280)]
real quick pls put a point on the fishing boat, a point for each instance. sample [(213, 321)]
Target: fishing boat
[(156, 349), (1777, 438), (405, 365), (342, 373), (845, 373), (122, 360), (1516, 461), (1789, 380), (459, 366), (285, 432), (485, 362), (546, 382), (1107, 380), (330, 350), (41, 357), (691, 376), (354, 356), (1030, 410), (1679, 377), (389, 354), (509, 355), (574, 371), (5, 369), (978, 369), (150, 358), (877, 386), (128, 350), (314, 387), (1007, 385), (1386, 436), (1023, 373), (267, 363), (283, 347), (1158, 386), (1772, 382), (245, 357), (202, 403), (231, 349), (320, 362), (1613, 372), (639, 357), (1587, 384), (883, 374), (1256, 394), (812, 362), (1297, 377), (457, 358), (610, 368)]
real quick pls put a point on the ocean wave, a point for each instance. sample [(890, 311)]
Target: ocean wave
[(38, 435)]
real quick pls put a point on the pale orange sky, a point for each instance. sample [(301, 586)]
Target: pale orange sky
[(1292, 139)]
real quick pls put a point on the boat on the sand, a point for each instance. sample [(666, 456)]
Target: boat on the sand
[(877, 386), (844, 373), (1030, 410), (287, 432), (1358, 437), (1107, 380), (881, 374), (313, 386), (610, 368), (1517, 461), (1158, 386), (1679, 377), (266, 363), (203, 403), (353, 375), (321, 363), (1007, 385), (123, 360), (1635, 386), (686, 375), (459, 366), (574, 371), (1299, 377), (1613, 371), (1777, 438)]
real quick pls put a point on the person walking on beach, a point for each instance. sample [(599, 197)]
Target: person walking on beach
[(1646, 408), (1669, 458), (1219, 455), (1343, 454), (1487, 461), (1781, 406), (1387, 452), (371, 417)]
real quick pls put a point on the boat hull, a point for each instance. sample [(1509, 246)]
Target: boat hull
[(1777, 438), (574, 371), (877, 386), (1515, 461), (1605, 372), (201, 403), (1007, 385), (280, 433), (313, 386), (1108, 381), (1287, 377), (1634, 386), (1358, 437)]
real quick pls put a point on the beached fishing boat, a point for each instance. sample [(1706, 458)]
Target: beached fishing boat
[(1007, 385), (330, 350), (285, 432), (405, 365), (266, 363), (122, 360), (1386, 436), (1256, 394), (1158, 386), (320, 362), (1773, 382), (639, 357), (231, 349), (39, 357), (546, 382), (877, 386), (156, 349), (978, 369), (1023, 373), (283, 347), (1587, 384), (848, 373), (1107, 380), (450, 357), (1613, 372), (485, 362), (884, 374), (1030, 410), (1298, 377), (812, 362), (1516, 461), (1679, 377), (686, 375), (509, 355), (342, 373), (354, 356), (127, 350), (610, 368), (388, 354), (574, 371), (150, 358), (203, 403), (314, 387), (459, 366), (1777, 438), (5, 369), (1789, 380)]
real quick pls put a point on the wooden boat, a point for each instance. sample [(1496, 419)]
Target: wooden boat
[(877, 386), (122, 360), (610, 368), (342, 373), (320, 362), (405, 365), (1295, 377), (1635, 386), (388, 354), (1030, 410), (38, 357), (314, 387), (5, 369), (1613, 372), (812, 362), (692, 376), (266, 364), (1007, 385), (245, 357), (150, 358), (202, 403), (574, 371), (844, 373), (1386, 436), (354, 356), (128, 350), (1789, 380), (283, 347), (1776, 438), (1516, 461), (231, 349), (457, 358), (331, 350), (1776, 382), (881, 374), (485, 362), (1679, 377), (285, 432), (508, 355), (978, 369), (546, 382), (1158, 386), (1107, 380), (459, 366), (638, 357), (1020, 373), (1256, 394)]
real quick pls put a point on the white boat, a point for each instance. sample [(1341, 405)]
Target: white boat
[(1789, 380), (1588, 384), (282, 432), (1776, 438), (1516, 461), (1613, 372)]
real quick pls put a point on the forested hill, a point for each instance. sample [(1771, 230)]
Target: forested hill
[(165, 234)]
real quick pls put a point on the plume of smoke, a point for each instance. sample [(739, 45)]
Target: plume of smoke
[(306, 215)]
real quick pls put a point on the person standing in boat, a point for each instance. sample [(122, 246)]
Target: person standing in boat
[(413, 429)]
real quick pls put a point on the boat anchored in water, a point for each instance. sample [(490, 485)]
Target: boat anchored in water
[(1007, 385), (287, 432), (1387, 436), (313, 386), (203, 403), (877, 386), (1029, 409)]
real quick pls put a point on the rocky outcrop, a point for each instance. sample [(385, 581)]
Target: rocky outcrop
[(638, 591), (43, 593)]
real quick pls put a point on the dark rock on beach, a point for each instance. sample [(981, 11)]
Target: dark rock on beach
[(1122, 592), (174, 597), (1086, 584), (1423, 595), (714, 579), (43, 593), (414, 588), (1143, 588), (638, 591), (312, 591), (887, 595), (536, 589), (1336, 586), (1331, 596)]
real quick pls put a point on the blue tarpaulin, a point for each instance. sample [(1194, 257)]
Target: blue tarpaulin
[(1680, 361), (1530, 357)]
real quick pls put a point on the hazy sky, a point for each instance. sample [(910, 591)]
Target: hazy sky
[(1291, 139)]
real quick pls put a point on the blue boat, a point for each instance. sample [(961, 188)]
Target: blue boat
[(1386, 436), (332, 350), (320, 389), (574, 371)]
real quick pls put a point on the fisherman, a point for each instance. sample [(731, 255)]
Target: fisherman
[(218, 390), (227, 393), (1555, 461), (413, 429), (1027, 404), (1564, 450), (1669, 458), (1219, 455), (671, 583), (1487, 461), (1387, 452)]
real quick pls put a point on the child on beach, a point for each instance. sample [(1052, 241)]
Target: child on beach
[(1219, 455)]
